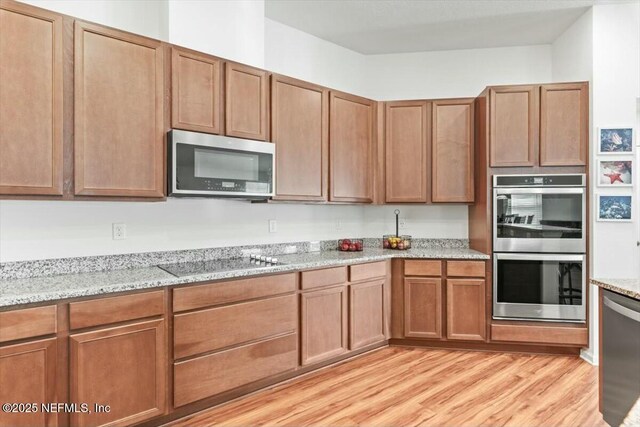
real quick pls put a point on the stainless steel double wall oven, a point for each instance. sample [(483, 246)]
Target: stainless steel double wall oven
[(539, 244)]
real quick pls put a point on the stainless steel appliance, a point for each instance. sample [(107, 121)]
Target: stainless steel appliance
[(539, 213), (533, 286), (218, 166), (190, 268), (539, 244), (620, 356)]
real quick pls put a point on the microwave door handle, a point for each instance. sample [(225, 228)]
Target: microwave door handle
[(621, 309)]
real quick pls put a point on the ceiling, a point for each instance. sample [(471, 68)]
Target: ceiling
[(394, 26)]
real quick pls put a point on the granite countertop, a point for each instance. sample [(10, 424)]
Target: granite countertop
[(15, 292), (626, 287)]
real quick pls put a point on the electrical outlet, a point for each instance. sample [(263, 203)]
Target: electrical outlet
[(273, 226), (314, 246), (119, 231), (402, 223), (339, 224)]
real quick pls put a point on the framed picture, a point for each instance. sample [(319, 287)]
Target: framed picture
[(614, 208), (615, 140), (615, 173)]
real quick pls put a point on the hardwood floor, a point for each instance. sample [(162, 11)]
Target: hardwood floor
[(399, 386)]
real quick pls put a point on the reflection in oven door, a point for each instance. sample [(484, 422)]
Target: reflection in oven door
[(539, 286)]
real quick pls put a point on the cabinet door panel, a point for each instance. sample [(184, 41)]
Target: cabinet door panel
[(366, 303), (452, 140), (196, 91), (564, 124), (422, 307), (28, 375), (466, 309), (119, 101), (513, 125), (123, 367), (30, 100), (407, 151), (299, 128), (351, 148), (246, 105), (324, 324)]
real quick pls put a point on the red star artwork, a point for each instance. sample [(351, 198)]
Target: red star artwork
[(613, 176)]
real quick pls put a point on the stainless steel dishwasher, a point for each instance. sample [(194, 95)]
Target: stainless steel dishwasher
[(621, 356)]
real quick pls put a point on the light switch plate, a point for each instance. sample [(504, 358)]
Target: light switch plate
[(273, 226)]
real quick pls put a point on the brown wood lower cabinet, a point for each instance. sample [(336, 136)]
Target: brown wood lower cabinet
[(213, 374), (213, 329), (123, 367), (28, 375), (366, 313), (423, 307), (466, 318), (323, 324)]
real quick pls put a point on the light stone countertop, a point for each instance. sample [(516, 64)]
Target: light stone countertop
[(626, 287), (15, 292)]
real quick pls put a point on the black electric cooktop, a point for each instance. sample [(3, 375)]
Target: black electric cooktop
[(192, 268)]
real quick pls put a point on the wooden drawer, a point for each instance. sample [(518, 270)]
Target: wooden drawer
[(103, 311), (216, 328), (27, 323), (465, 268), (215, 373), (191, 297), (371, 270), (325, 277), (414, 267), (563, 335)]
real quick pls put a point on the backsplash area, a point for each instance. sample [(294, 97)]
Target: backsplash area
[(36, 230), (47, 267)]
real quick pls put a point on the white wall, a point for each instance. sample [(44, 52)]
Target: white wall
[(232, 29), (455, 73), (303, 56), (148, 17), (37, 230)]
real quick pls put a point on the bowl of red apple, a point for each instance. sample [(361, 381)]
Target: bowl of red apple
[(350, 245)]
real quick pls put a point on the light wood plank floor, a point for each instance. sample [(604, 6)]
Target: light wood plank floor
[(409, 387)]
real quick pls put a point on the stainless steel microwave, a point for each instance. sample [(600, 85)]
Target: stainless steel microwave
[(218, 166)]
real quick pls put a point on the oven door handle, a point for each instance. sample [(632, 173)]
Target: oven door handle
[(621, 309), (519, 190), (539, 257)]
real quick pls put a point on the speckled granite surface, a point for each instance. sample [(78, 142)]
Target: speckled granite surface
[(48, 267), (15, 292), (627, 287)]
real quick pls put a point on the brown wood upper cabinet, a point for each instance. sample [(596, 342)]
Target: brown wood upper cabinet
[(196, 91), (351, 148), (300, 128), (564, 124), (119, 107), (407, 151), (452, 139), (30, 100), (246, 101), (28, 375), (123, 367), (539, 125), (513, 125)]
